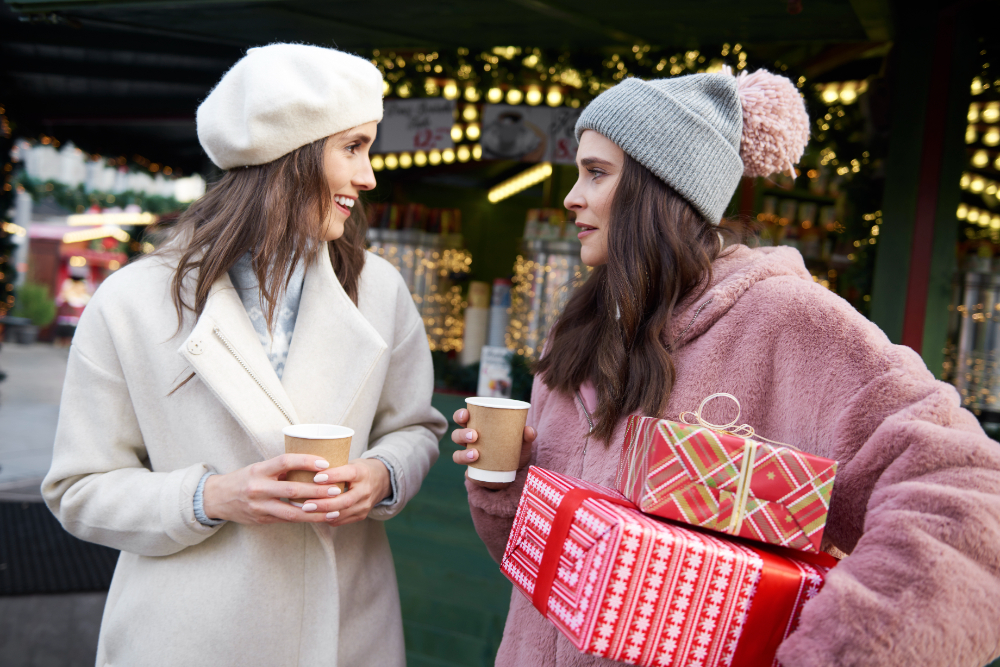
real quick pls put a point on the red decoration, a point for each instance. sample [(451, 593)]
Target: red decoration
[(625, 586), (704, 478)]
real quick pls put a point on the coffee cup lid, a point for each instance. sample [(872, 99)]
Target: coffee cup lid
[(318, 431), (492, 402)]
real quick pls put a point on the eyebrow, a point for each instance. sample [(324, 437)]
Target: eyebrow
[(360, 136), (590, 161)]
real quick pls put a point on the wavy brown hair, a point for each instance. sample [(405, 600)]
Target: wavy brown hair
[(615, 329), (277, 212)]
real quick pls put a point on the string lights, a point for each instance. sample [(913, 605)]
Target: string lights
[(980, 206), (541, 286), (521, 75)]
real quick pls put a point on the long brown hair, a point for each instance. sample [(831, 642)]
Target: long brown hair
[(275, 211), (615, 329)]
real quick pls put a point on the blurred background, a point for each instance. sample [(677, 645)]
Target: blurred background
[(894, 207)]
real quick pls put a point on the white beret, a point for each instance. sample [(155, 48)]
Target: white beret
[(283, 96)]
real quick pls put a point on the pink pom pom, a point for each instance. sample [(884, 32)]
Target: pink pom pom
[(775, 123)]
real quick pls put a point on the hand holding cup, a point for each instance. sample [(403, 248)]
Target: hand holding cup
[(497, 441)]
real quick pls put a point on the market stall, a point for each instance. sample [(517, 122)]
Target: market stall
[(490, 135)]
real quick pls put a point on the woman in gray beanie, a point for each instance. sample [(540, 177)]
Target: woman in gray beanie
[(264, 310), (670, 316)]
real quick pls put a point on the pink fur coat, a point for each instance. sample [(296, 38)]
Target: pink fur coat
[(917, 498)]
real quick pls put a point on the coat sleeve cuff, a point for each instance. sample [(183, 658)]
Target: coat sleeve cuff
[(393, 496), (177, 506), (502, 503), (391, 506), (199, 503)]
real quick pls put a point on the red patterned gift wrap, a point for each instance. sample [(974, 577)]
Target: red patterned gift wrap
[(625, 586), (722, 482)]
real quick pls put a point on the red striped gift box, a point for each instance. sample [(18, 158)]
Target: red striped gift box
[(622, 585), (701, 477)]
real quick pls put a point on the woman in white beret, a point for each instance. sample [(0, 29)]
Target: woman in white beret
[(263, 310)]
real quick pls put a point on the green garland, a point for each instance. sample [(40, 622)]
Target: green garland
[(78, 200)]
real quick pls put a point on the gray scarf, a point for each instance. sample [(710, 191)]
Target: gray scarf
[(276, 342)]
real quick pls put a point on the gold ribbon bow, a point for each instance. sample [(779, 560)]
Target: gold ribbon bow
[(751, 446)]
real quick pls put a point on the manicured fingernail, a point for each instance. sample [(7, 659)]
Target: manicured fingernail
[(295, 503), (309, 507), (471, 454), (320, 478), (333, 491), (332, 515), (468, 436), (322, 465)]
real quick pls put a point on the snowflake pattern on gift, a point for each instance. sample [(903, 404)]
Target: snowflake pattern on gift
[(633, 588)]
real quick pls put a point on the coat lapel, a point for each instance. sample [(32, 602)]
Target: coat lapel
[(332, 353), (226, 354)]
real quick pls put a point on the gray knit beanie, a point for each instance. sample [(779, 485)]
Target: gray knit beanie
[(701, 133)]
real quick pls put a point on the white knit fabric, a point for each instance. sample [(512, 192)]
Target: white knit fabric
[(283, 96)]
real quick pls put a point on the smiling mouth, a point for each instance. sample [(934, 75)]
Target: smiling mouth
[(346, 203), (585, 228)]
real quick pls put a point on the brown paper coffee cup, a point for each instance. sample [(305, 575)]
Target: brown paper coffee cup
[(332, 443), (500, 425)]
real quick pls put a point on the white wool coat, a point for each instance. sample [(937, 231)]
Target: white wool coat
[(130, 452)]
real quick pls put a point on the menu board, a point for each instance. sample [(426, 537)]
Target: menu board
[(529, 134), (411, 125)]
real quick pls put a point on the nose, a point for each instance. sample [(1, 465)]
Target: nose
[(575, 201), (365, 178)]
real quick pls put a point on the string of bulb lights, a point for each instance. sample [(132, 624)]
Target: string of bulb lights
[(982, 138), (517, 75)]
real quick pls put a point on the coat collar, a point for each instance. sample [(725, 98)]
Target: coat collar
[(333, 349), (332, 353), (737, 270)]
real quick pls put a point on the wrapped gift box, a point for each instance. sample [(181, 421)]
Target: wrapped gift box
[(701, 477), (626, 586)]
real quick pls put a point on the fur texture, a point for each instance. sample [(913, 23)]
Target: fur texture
[(775, 123), (915, 503)]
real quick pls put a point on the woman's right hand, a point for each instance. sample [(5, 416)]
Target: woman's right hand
[(467, 436), (252, 495)]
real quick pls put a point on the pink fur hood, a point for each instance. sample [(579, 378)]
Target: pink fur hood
[(917, 498)]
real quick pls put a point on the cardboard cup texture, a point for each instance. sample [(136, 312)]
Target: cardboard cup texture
[(332, 443), (500, 425)]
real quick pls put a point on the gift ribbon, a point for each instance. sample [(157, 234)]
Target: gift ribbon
[(741, 431), (743, 488), (750, 448), (772, 606), (561, 524)]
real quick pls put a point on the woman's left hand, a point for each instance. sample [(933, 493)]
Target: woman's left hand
[(367, 485)]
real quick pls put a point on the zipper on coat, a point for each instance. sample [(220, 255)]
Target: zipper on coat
[(696, 314), (586, 441), (590, 422), (232, 350)]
